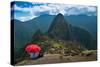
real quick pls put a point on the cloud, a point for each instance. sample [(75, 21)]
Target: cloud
[(23, 18), (53, 9)]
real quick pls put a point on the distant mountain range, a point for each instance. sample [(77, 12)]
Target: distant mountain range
[(43, 23), (68, 28), (87, 22)]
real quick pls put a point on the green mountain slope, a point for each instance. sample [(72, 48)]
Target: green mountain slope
[(60, 29)]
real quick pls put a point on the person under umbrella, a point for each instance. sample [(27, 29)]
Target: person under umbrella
[(33, 50)]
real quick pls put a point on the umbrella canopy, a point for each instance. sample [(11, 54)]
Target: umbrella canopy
[(32, 48)]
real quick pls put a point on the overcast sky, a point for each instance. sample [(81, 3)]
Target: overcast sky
[(27, 10)]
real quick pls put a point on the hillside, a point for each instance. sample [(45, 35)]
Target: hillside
[(56, 36)]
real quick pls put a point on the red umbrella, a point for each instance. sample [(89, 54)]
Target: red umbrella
[(32, 48)]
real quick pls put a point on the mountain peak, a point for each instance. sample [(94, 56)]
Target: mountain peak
[(59, 14), (59, 27), (59, 18)]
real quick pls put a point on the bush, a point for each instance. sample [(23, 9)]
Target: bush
[(87, 53)]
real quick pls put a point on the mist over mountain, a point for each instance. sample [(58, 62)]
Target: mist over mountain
[(26, 10)]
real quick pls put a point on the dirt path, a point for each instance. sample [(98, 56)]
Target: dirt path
[(55, 58)]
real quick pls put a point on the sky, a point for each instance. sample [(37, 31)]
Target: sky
[(25, 11)]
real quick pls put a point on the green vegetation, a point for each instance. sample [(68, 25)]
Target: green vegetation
[(61, 39), (88, 52)]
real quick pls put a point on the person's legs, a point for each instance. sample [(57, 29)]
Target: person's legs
[(31, 55), (36, 54)]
